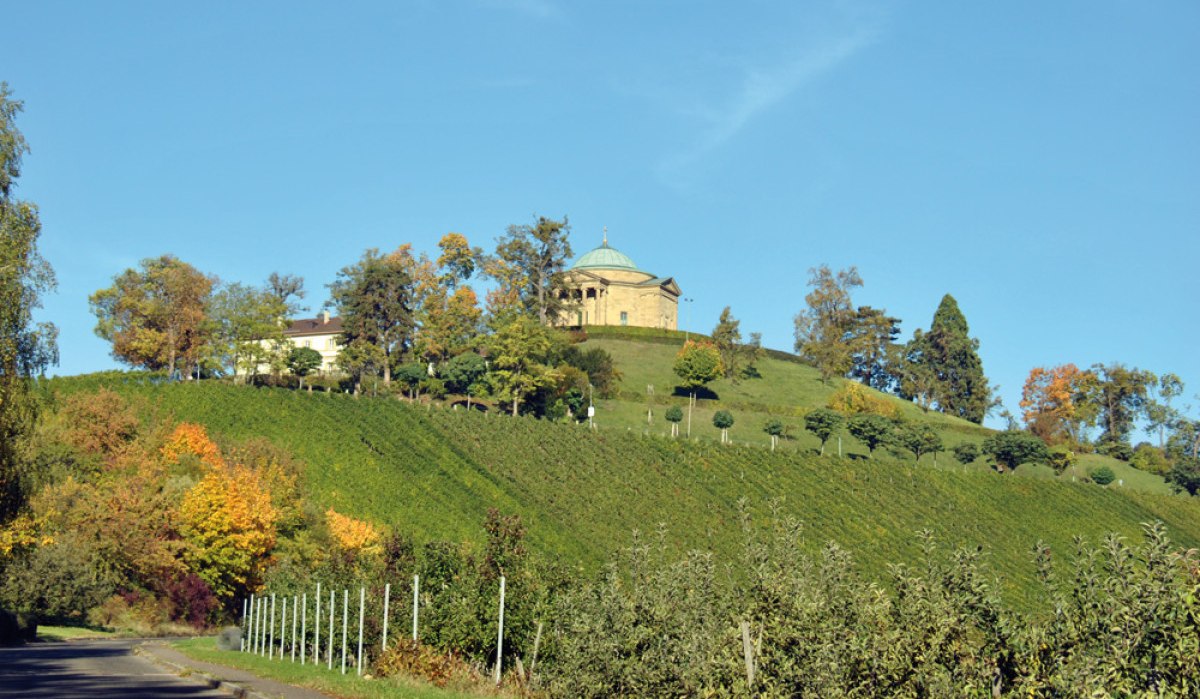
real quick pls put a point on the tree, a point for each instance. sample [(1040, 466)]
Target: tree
[(1012, 448), (723, 420), (736, 357), (775, 428), (26, 348), (966, 452), (374, 297), (247, 326), (1159, 413), (157, 316), (521, 352), (949, 358), (529, 264), (303, 361), (871, 430), (1184, 476), (458, 260), (449, 324), (674, 415), (823, 423), (821, 328), (1054, 402), (872, 337), (288, 291), (463, 373), (696, 364), (919, 439), (1121, 394)]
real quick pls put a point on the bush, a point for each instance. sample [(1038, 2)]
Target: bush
[(1117, 450), (1102, 475), (853, 399), (966, 452), (408, 658)]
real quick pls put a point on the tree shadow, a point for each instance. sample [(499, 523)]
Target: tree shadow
[(702, 393)]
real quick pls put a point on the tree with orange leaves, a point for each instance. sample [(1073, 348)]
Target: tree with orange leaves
[(353, 535), (190, 438), (1053, 405), (228, 522)]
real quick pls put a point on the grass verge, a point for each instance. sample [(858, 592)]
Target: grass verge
[(315, 677)]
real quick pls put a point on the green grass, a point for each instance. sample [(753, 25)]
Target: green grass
[(315, 677), (432, 473), (51, 633)]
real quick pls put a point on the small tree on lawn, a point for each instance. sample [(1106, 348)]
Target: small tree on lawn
[(774, 427), (723, 420), (919, 439), (303, 361), (871, 430), (696, 364), (1013, 448), (674, 415), (823, 423), (966, 452)]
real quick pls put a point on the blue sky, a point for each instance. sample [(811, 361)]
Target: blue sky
[(1039, 161)]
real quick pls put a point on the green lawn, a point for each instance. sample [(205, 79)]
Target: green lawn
[(315, 677), (68, 633)]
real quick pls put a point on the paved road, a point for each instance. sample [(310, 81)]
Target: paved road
[(91, 669)]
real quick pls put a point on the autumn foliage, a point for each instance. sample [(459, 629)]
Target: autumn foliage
[(1051, 402), (353, 534), (190, 438), (228, 521)]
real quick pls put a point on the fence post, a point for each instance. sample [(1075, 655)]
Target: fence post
[(362, 596), (303, 625), (283, 627), (247, 622), (271, 633), (259, 638), (416, 593), (345, 624), (295, 604), (387, 593), (500, 634), (245, 616), (317, 629), (331, 601)]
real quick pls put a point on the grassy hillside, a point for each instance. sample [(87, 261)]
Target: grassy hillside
[(434, 472)]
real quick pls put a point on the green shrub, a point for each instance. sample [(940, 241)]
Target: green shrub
[(1102, 475), (966, 452)]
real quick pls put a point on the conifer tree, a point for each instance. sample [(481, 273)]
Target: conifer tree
[(948, 357)]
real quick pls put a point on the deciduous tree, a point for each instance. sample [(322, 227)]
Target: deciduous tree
[(521, 354), (1054, 402), (529, 264), (374, 297), (871, 430), (1010, 449), (696, 364), (823, 423), (156, 316), (1121, 394), (27, 348), (723, 420), (822, 327)]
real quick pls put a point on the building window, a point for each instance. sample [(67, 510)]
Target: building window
[(624, 318)]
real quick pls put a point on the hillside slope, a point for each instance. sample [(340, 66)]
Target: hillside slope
[(433, 472)]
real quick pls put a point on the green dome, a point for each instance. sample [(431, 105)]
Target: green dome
[(605, 257)]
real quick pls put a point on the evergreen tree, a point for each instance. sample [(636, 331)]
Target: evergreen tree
[(945, 361)]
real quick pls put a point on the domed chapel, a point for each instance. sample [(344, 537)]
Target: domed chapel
[(605, 287)]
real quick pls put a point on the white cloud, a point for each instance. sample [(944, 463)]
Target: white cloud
[(760, 89)]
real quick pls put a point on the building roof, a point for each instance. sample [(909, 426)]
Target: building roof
[(321, 325), (605, 257)]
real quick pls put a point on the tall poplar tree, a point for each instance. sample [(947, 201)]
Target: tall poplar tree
[(948, 358), (26, 347)]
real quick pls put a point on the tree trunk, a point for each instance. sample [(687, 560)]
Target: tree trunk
[(691, 401), (516, 404)]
